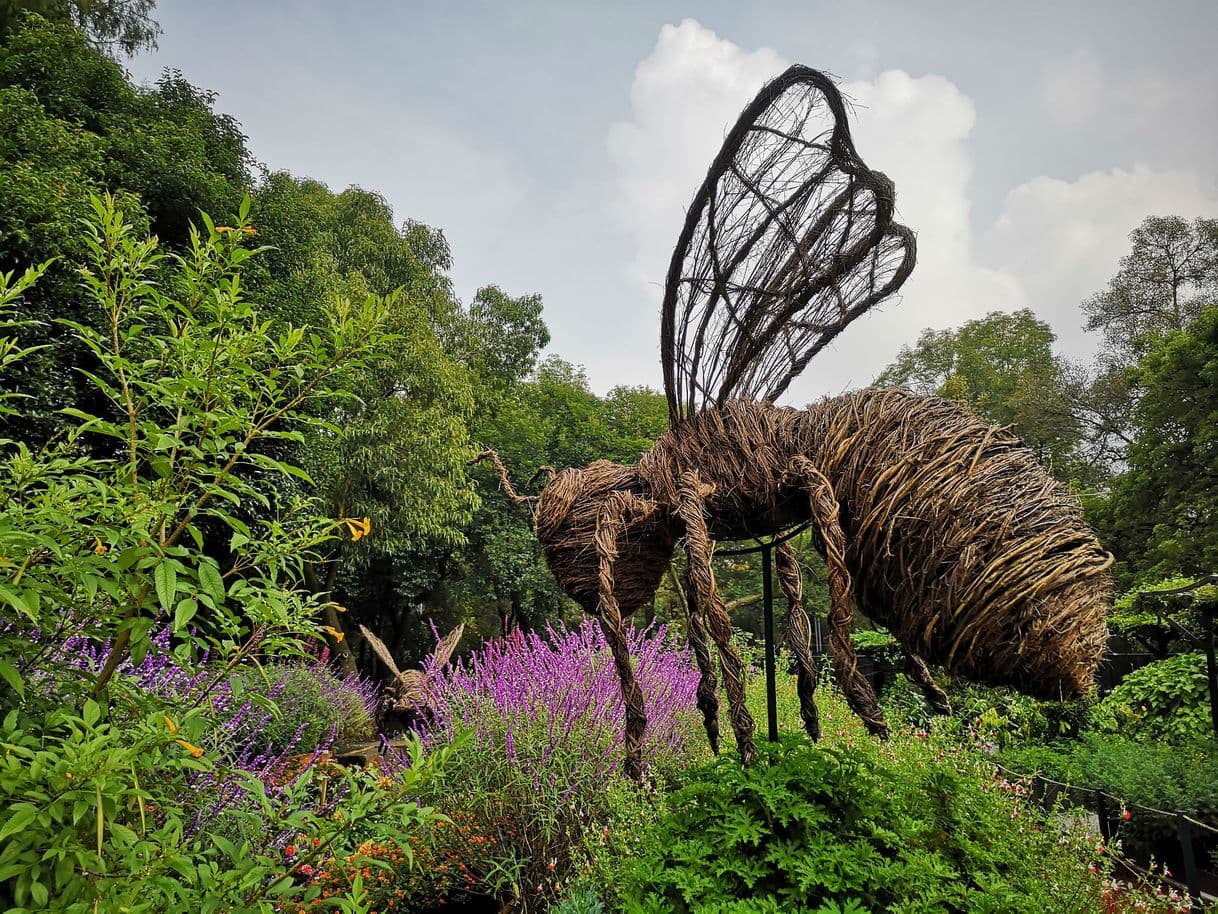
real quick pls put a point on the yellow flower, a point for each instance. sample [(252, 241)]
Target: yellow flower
[(333, 632), (222, 229), (173, 728), (99, 548), (194, 750), (338, 608), (248, 230), (358, 528)]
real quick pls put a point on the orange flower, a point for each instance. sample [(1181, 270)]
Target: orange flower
[(248, 230), (194, 750), (357, 527), (333, 632), (222, 229), (99, 548)]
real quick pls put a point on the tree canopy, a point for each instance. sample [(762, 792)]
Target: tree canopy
[(1162, 515)]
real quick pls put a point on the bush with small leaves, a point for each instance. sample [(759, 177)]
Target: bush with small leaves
[(814, 829)]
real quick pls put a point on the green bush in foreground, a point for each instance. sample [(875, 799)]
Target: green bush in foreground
[(166, 510), (821, 830), (1167, 700)]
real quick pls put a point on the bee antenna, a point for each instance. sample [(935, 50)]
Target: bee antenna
[(548, 471), (513, 497)]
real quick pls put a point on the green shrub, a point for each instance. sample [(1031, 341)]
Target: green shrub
[(582, 900), (304, 703), (816, 829), (1002, 717), (1165, 700), (96, 817), (1141, 614), (165, 511), (1168, 778), (867, 638)]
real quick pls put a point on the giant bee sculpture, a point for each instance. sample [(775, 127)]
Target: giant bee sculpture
[(934, 523)]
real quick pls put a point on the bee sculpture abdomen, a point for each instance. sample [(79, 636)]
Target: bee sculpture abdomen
[(961, 543)]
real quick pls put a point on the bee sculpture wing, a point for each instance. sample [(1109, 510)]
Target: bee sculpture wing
[(444, 650), (378, 648), (788, 240)]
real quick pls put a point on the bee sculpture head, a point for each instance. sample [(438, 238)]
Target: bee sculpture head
[(570, 512)]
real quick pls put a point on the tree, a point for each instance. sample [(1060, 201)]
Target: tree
[(1168, 276), (111, 25), (1162, 515), (500, 339), (72, 125), (395, 454), (1163, 283), (1003, 367)]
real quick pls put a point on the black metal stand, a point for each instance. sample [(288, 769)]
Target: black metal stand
[(771, 678), (766, 549)]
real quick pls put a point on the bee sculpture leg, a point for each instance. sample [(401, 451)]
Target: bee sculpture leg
[(708, 688), (919, 675), (691, 493), (616, 513), (825, 514), (799, 636)]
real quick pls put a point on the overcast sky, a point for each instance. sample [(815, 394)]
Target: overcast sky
[(557, 144)]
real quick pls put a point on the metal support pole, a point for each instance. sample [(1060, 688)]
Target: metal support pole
[(1211, 668), (1192, 878), (1101, 813), (771, 688)]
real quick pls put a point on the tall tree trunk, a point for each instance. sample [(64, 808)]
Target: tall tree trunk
[(338, 643)]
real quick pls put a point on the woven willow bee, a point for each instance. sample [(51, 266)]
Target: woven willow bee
[(932, 522)]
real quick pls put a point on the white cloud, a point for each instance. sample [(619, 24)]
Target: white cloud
[(1054, 243), (1064, 239), (685, 97)]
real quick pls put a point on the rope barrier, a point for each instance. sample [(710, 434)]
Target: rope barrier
[(1095, 791)]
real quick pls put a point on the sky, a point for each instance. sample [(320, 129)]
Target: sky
[(557, 144)]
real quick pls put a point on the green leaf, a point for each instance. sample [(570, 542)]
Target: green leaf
[(11, 598), (211, 581), (166, 579), (20, 816), (183, 613), (10, 675)]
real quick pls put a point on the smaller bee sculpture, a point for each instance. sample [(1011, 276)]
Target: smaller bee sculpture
[(935, 524), (407, 701)]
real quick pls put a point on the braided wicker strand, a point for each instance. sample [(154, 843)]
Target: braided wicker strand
[(613, 518), (708, 697), (825, 515), (698, 543), (799, 636), (919, 675)]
